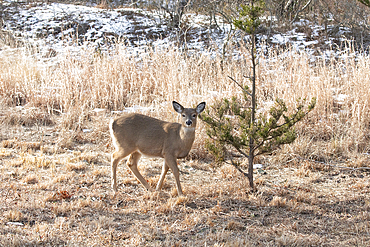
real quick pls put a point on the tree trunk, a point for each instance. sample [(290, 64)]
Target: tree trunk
[(179, 11), (251, 139)]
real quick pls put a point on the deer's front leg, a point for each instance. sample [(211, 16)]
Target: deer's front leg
[(164, 172), (172, 164)]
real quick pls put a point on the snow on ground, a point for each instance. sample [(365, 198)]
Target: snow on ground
[(60, 27)]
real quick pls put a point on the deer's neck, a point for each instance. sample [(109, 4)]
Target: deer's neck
[(187, 134)]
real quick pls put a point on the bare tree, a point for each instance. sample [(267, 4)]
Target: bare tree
[(175, 9)]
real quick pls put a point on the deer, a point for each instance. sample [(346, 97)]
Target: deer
[(135, 135)]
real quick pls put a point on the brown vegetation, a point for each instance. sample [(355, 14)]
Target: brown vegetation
[(55, 145)]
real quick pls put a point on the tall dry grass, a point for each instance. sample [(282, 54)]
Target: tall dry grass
[(63, 197), (77, 83)]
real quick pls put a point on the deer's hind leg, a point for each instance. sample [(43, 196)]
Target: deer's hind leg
[(132, 164), (117, 156)]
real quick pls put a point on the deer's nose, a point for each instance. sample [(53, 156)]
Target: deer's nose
[(188, 122)]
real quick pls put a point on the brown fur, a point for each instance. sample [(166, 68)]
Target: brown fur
[(135, 134)]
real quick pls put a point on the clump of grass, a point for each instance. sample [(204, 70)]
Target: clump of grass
[(4, 153), (64, 177), (22, 145), (30, 179), (100, 172), (30, 160), (14, 215), (87, 157), (152, 181), (234, 225), (28, 117), (278, 201), (181, 200), (77, 167), (360, 161)]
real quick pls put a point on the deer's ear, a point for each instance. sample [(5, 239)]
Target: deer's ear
[(200, 107), (178, 108)]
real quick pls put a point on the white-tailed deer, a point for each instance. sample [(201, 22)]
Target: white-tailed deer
[(135, 134)]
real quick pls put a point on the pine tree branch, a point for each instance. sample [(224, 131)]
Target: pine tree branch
[(365, 2), (259, 145), (240, 151), (267, 139)]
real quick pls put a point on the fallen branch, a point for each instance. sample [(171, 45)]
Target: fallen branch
[(335, 166)]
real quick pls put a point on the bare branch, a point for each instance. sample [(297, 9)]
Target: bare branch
[(237, 83), (237, 167), (304, 7)]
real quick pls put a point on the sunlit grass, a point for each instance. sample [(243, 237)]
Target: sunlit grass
[(78, 84), (54, 153)]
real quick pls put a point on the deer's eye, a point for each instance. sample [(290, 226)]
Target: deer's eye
[(183, 115), (194, 115)]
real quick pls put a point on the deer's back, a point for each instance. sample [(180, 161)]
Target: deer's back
[(146, 134)]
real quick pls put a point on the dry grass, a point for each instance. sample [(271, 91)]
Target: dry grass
[(54, 154), (65, 94), (61, 206)]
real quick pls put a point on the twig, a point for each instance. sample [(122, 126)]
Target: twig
[(241, 151), (237, 83), (167, 10), (298, 12), (237, 167)]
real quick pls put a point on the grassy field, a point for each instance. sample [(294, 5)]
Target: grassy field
[(55, 152)]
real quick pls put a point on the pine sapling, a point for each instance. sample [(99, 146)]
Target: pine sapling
[(232, 124)]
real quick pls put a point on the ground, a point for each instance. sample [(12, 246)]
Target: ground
[(63, 196)]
